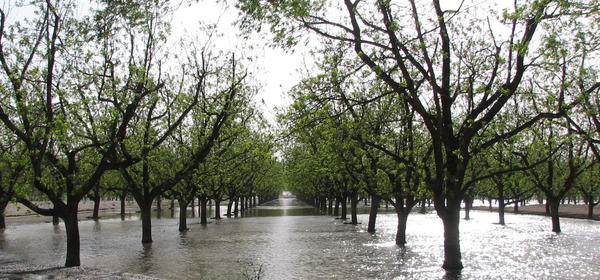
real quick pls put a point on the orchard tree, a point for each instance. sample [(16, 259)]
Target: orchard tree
[(12, 173), (456, 69), (588, 185), (566, 158), (62, 107)]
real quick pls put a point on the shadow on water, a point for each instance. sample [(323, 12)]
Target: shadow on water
[(146, 258), (452, 275)]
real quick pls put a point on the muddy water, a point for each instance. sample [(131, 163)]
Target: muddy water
[(288, 240)]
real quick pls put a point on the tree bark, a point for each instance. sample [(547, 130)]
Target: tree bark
[(2, 221), (401, 229), (554, 204), (217, 209), (423, 209), (193, 206), (590, 210), (123, 197), (146, 216), (501, 205), (344, 208), (329, 206), (158, 204), (183, 216), (336, 208), (72, 229), (96, 212), (373, 213), (202, 201), (452, 254), (501, 210), (229, 205), (235, 206), (354, 208), (468, 204), (516, 209), (2, 213)]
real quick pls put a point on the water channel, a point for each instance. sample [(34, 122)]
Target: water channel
[(287, 239)]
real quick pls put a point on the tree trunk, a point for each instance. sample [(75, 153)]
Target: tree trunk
[(554, 203), (2, 212), (336, 208), (329, 206), (547, 207), (72, 229), (501, 210), (423, 207), (235, 206), (193, 206), (401, 229), (202, 201), (159, 208), (229, 205), (146, 215), (96, 212), (183, 216), (344, 208), (591, 209), (122, 197), (2, 221), (516, 209), (373, 213), (217, 209), (354, 208), (468, 204), (452, 254), (55, 220)]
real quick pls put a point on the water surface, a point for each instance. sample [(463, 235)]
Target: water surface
[(289, 240)]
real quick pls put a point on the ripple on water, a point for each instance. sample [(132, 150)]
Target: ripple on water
[(321, 247)]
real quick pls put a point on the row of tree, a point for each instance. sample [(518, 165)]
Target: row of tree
[(415, 100), (98, 101)]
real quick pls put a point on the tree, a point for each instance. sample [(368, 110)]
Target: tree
[(217, 91), (566, 159), (588, 184), (452, 67), (12, 169), (61, 109)]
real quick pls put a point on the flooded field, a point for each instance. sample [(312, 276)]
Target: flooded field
[(289, 240)]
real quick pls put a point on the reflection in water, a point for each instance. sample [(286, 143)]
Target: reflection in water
[(289, 240)]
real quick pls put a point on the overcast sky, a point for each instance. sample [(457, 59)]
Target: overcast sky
[(274, 68)]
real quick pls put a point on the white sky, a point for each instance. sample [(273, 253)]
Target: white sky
[(274, 68)]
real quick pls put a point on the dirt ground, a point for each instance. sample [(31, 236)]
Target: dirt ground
[(17, 209), (579, 211)]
